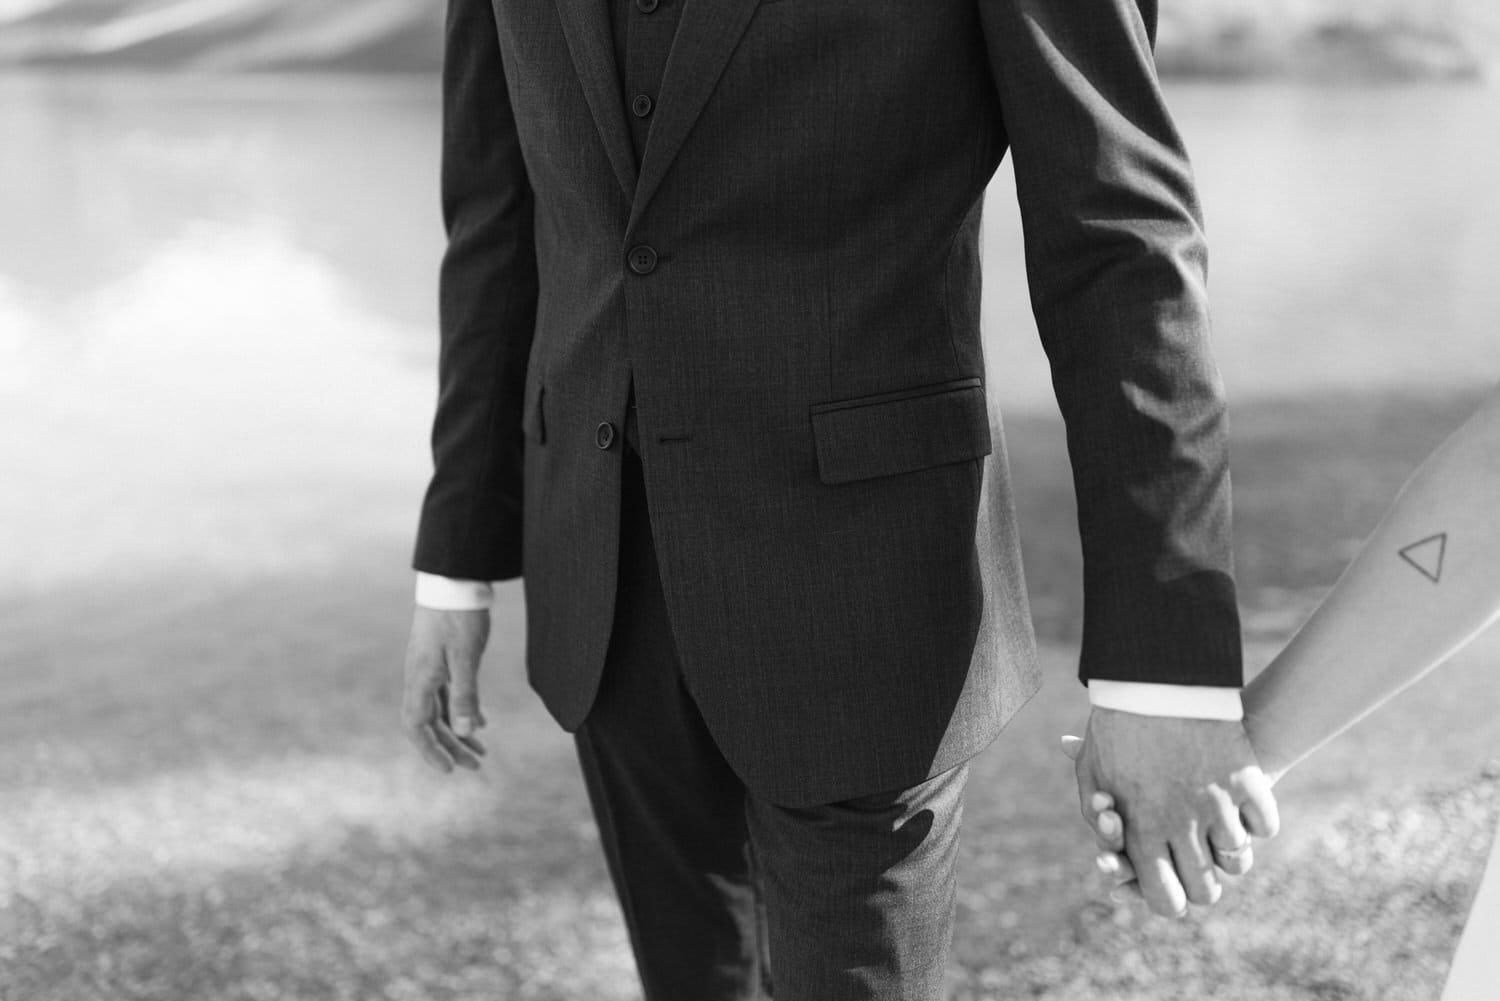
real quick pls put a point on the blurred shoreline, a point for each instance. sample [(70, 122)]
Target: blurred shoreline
[(1344, 49), (1330, 41)]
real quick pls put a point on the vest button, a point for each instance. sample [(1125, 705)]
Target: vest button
[(604, 436), (641, 105), (642, 259)]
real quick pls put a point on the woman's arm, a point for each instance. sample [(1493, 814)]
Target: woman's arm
[(1426, 582)]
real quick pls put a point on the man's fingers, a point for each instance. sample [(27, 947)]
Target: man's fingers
[(462, 754), (444, 725), (440, 748), (1195, 871), (463, 695), (440, 695), (432, 749), (1257, 804), (416, 694), (1160, 886), (418, 714)]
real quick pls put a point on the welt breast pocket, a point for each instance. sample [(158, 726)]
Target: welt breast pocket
[(902, 431)]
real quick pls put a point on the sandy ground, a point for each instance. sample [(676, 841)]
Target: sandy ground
[(203, 793)]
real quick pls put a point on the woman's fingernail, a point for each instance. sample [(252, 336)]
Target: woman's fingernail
[(1108, 864), (1101, 801)]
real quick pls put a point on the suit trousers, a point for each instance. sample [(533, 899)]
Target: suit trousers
[(729, 897)]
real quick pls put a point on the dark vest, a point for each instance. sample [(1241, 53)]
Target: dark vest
[(643, 31)]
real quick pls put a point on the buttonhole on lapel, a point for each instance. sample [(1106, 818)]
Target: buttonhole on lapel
[(673, 439)]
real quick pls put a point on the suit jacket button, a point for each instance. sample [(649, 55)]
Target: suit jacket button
[(642, 259), (641, 105), (604, 435)]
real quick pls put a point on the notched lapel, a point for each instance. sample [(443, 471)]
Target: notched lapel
[(586, 25), (706, 36)]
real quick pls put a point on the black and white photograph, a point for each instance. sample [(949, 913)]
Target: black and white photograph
[(749, 500)]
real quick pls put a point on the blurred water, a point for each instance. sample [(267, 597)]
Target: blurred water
[(217, 296), (1354, 239), (216, 305)]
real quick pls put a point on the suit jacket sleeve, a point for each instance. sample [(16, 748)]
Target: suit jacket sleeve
[(471, 517), (1116, 264)]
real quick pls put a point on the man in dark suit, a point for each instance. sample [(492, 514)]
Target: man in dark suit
[(712, 383)]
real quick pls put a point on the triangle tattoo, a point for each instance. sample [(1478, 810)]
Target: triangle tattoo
[(1427, 555)]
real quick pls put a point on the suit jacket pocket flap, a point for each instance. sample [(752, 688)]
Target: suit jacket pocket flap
[(901, 432)]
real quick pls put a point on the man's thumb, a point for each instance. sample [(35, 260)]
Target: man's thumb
[(463, 697)]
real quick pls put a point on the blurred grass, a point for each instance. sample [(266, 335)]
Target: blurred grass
[(203, 794)]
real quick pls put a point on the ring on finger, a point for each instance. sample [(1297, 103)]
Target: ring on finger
[(1233, 853)]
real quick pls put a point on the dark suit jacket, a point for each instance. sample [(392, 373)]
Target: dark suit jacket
[(790, 277)]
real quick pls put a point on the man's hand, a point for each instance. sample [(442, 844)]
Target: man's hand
[(1190, 794), (1109, 834), (440, 702)]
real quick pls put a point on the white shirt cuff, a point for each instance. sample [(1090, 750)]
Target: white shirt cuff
[(1183, 701), (449, 594)]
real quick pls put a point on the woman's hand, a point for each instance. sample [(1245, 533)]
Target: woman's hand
[(1109, 833)]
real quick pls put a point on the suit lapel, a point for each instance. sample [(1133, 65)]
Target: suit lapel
[(706, 35), (586, 25)]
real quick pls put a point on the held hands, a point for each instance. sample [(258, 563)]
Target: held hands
[(440, 701), (1172, 802)]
